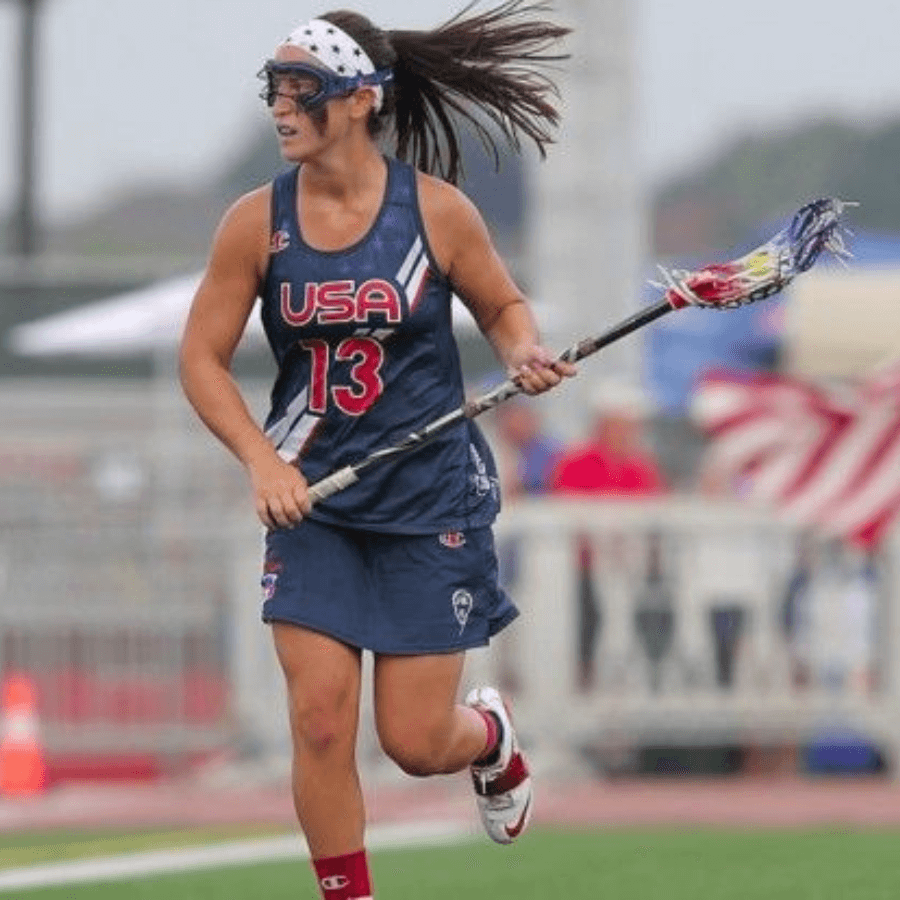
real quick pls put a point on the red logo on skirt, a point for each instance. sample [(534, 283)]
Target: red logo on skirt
[(452, 539)]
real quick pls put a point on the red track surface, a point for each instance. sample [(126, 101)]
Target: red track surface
[(737, 802)]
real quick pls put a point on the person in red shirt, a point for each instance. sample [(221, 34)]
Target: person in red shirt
[(613, 461)]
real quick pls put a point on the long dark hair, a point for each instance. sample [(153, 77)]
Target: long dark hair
[(475, 68)]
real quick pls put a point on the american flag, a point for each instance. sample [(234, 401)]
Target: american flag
[(827, 458)]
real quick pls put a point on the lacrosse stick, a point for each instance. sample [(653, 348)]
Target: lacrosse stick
[(759, 274)]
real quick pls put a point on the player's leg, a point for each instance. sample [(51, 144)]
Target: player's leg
[(436, 596), (426, 732), (316, 578), (420, 725), (323, 684)]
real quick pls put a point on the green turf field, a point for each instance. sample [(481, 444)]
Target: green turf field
[(667, 864)]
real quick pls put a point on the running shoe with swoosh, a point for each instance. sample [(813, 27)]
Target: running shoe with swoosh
[(503, 789)]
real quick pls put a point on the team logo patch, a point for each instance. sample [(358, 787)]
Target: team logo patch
[(482, 481), (452, 539), (334, 882), (269, 583), (269, 579), (280, 241), (462, 607)]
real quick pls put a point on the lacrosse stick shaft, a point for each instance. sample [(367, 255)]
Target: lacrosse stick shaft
[(755, 276), (344, 477), (583, 348)]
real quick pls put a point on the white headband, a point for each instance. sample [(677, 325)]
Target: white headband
[(336, 50)]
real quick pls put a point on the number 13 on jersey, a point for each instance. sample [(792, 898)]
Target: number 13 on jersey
[(365, 355)]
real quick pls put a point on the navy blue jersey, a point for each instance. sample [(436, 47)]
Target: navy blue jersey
[(366, 354)]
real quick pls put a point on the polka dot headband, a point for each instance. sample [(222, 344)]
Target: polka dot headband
[(336, 50)]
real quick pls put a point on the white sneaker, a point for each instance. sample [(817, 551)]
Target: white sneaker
[(502, 790)]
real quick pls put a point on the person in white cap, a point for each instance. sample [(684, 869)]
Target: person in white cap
[(356, 255)]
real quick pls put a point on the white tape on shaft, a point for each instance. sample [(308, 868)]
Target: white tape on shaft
[(333, 483)]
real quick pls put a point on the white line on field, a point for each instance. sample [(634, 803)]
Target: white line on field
[(233, 853)]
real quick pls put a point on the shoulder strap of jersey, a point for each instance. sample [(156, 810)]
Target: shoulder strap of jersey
[(402, 180), (284, 187)]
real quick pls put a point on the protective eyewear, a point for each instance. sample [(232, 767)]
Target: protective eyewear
[(309, 86)]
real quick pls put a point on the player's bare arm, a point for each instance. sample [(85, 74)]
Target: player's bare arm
[(467, 256), (217, 319)]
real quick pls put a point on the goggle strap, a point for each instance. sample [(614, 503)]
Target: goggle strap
[(332, 83)]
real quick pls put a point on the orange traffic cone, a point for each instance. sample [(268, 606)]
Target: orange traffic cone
[(23, 769)]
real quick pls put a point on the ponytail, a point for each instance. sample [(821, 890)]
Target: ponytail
[(478, 69)]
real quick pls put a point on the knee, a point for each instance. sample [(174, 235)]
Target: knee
[(322, 724), (418, 749), (317, 734)]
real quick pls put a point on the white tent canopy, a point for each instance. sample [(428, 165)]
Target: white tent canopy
[(147, 320)]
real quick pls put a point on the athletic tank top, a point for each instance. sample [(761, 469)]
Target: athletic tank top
[(366, 354)]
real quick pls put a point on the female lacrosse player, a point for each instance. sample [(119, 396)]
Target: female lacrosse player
[(355, 256)]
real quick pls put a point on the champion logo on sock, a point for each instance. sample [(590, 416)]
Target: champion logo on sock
[(343, 877)]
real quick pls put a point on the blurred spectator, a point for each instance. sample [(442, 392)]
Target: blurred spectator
[(838, 622), (794, 606), (613, 461), (526, 455)]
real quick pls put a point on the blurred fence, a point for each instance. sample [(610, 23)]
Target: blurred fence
[(115, 576), (129, 591), (690, 623)]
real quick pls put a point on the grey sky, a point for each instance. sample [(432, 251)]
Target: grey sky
[(159, 91)]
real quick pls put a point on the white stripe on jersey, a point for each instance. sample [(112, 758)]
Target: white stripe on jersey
[(414, 288), (295, 439), (277, 432), (410, 261)]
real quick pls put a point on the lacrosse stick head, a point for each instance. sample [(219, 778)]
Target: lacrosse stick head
[(769, 268)]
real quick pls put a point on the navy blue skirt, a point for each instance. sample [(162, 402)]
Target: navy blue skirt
[(389, 593)]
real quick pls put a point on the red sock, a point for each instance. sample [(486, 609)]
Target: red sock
[(492, 744), (344, 877)]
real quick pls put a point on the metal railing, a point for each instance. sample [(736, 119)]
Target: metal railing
[(692, 622), (114, 583), (129, 589)]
